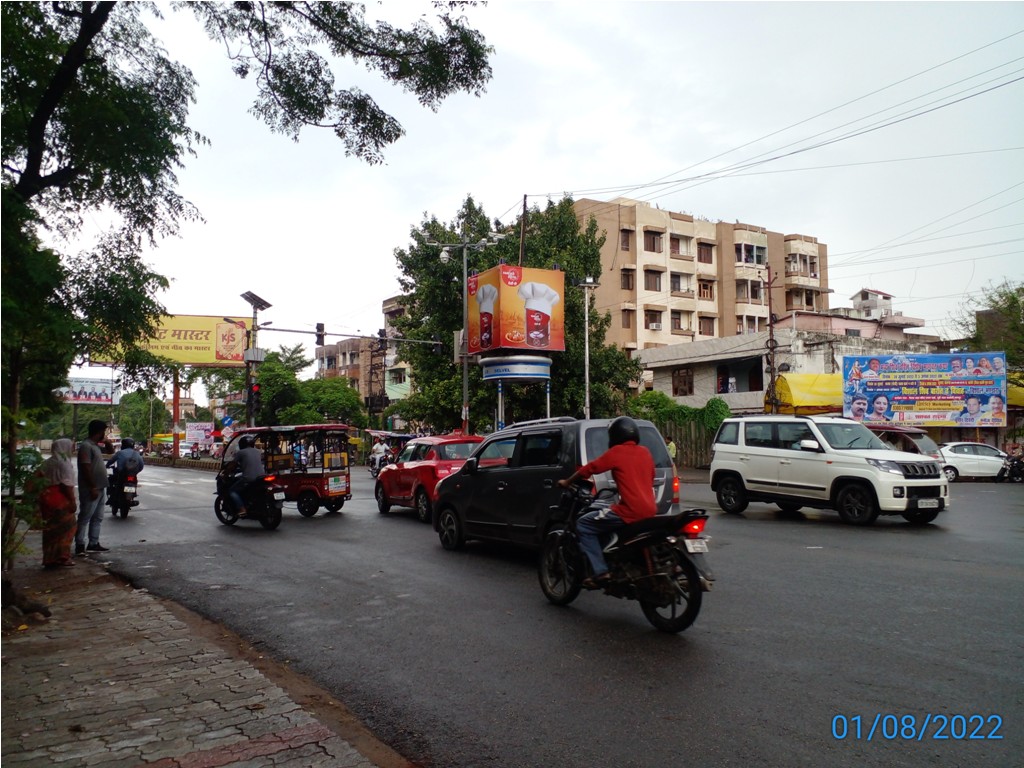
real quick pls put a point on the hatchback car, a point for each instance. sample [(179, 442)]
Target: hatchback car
[(970, 460), (507, 489), (412, 480)]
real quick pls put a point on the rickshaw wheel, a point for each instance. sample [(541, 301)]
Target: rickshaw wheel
[(309, 503), (334, 505)]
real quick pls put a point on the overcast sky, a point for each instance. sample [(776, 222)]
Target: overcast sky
[(605, 98)]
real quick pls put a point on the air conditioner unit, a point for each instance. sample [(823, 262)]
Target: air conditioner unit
[(654, 327)]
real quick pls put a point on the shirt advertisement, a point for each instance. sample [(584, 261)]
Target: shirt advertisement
[(963, 390), (89, 392), (514, 307)]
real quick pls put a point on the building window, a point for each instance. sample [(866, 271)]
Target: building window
[(625, 240), (675, 281), (652, 317), (397, 376), (704, 253), (682, 382), (652, 242), (673, 245), (652, 280), (748, 253), (707, 326), (853, 332), (706, 290), (627, 280), (627, 318), (677, 320)]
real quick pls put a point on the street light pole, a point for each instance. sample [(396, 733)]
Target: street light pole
[(587, 284)]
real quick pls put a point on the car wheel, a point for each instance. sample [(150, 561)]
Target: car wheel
[(950, 473), (856, 504), (450, 530), (422, 506), (309, 503), (383, 505), (334, 505), (732, 496)]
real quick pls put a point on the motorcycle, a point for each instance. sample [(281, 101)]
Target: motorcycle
[(122, 493), (263, 499), (377, 463), (658, 561), (1012, 470)]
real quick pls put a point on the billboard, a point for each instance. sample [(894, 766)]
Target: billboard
[(199, 340), (514, 307), (199, 432), (83, 391), (963, 390)]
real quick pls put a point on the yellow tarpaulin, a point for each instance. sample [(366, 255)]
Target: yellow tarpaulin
[(1014, 395), (808, 393)]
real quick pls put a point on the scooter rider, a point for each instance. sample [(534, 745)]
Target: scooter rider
[(249, 461), (632, 468)]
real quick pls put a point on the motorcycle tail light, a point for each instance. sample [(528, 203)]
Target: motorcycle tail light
[(270, 478), (131, 479), (695, 527)]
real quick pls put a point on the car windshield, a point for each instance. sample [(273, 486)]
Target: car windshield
[(452, 451), (925, 444), (851, 437)]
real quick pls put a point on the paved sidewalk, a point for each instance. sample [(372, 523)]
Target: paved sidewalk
[(115, 678)]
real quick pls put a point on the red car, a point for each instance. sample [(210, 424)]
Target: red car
[(410, 481)]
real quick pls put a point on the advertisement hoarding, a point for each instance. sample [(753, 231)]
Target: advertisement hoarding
[(961, 390), (82, 391), (199, 432), (199, 340), (514, 307)]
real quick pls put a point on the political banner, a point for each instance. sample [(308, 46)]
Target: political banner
[(961, 390), (86, 391)]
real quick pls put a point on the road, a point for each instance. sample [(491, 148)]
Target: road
[(456, 659)]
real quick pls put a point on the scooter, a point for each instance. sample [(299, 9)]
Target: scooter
[(377, 463), (1012, 469), (263, 499), (122, 494)]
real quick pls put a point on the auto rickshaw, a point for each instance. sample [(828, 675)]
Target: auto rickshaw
[(309, 460)]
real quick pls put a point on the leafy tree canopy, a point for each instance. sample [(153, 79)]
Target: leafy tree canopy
[(434, 303), (995, 321)]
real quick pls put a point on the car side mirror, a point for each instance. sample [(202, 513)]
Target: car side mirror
[(470, 467), (810, 445)]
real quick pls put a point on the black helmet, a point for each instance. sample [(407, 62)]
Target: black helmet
[(247, 441), (127, 443), (622, 430)]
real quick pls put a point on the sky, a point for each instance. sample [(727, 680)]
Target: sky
[(893, 132)]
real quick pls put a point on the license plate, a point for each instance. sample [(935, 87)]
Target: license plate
[(129, 491), (927, 503), (279, 495), (696, 545)]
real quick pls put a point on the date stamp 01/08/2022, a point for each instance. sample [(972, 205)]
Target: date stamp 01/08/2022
[(907, 727)]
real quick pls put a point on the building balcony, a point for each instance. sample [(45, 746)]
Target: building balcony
[(687, 294)]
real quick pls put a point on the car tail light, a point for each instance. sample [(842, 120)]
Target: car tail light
[(270, 478), (675, 485), (693, 528)]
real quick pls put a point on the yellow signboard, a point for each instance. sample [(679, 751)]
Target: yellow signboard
[(199, 340)]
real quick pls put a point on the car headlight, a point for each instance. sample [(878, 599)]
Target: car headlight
[(886, 465)]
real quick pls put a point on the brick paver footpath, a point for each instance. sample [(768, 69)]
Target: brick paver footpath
[(113, 678)]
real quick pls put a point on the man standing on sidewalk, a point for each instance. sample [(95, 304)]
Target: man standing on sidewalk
[(92, 489)]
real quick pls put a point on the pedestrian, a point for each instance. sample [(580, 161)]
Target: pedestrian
[(57, 504), (670, 444), (92, 489)]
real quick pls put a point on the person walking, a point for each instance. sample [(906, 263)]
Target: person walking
[(92, 489), (57, 504), (671, 446)]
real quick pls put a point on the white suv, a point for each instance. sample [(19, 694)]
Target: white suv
[(824, 462)]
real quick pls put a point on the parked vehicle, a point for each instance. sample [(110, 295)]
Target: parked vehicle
[(1012, 469), (658, 561), (309, 461), (823, 462), (412, 480), (906, 439), (965, 459), (263, 499), (122, 493), (507, 489)]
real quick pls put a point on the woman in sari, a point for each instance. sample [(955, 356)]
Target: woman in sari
[(57, 504)]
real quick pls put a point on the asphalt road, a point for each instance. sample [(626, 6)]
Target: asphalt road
[(456, 659)]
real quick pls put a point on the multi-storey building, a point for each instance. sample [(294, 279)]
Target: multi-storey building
[(668, 277)]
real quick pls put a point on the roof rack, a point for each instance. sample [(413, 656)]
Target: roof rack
[(552, 420)]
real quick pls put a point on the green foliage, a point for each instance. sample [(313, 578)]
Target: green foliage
[(133, 416), (662, 410), (286, 400), (434, 303), (995, 321)]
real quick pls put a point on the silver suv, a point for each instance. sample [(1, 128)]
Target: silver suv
[(507, 489), (823, 462)]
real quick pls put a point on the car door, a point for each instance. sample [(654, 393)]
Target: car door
[(801, 472), (989, 460), (398, 478), (486, 493), (963, 458), (760, 457), (539, 463)]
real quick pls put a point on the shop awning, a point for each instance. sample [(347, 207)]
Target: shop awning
[(1014, 395), (808, 393)]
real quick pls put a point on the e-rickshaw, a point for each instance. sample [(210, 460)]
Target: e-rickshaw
[(309, 460)]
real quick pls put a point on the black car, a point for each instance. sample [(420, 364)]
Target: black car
[(506, 490)]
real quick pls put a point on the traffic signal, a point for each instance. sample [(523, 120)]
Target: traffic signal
[(254, 396), (319, 334)]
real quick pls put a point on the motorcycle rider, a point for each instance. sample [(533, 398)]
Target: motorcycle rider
[(249, 461), (127, 461), (377, 453), (632, 468)]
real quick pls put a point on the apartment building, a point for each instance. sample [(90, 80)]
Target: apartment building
[(669, 277)]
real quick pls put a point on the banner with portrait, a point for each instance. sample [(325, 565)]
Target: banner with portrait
[(948, 390)]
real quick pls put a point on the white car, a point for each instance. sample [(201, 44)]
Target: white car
[(970, 460)]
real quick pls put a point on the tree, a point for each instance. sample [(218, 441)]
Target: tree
[(323, 400), (995, 322), (434, 310)]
